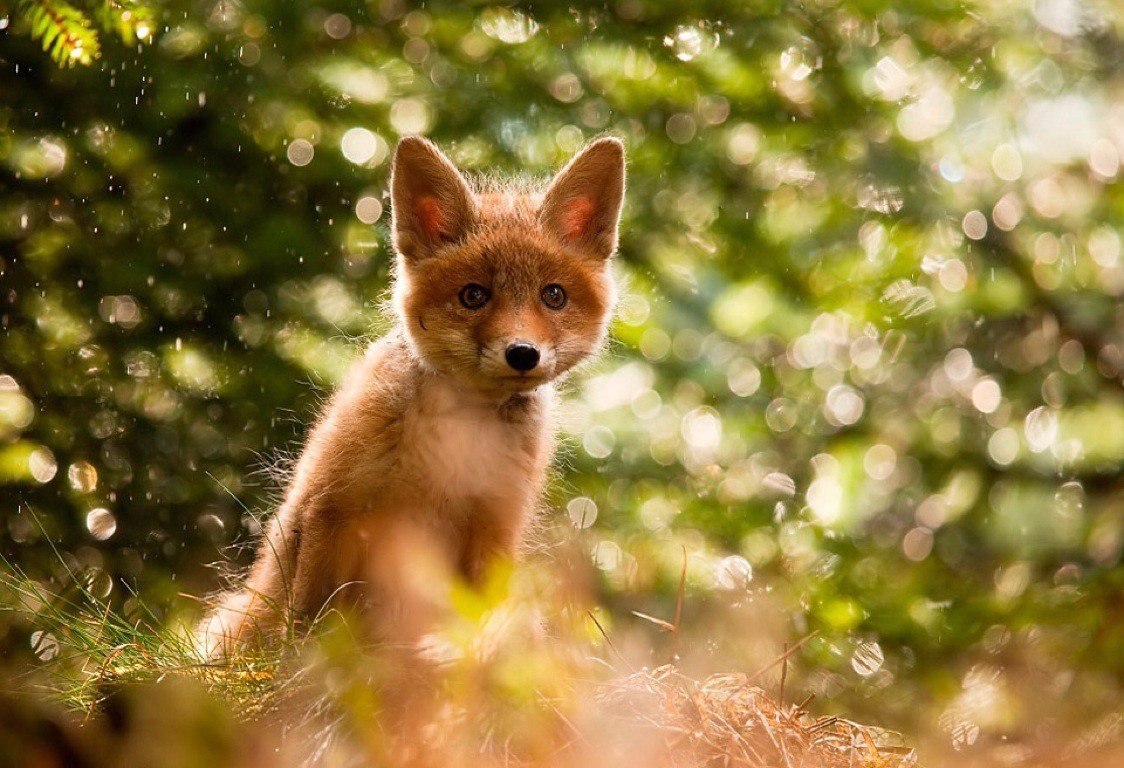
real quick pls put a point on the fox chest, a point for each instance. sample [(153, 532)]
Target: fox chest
[(454, 452)]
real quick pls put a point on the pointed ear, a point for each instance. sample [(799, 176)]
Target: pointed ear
[(431, 203), (582, 205)]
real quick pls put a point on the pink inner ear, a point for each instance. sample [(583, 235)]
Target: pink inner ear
[(577, 217), (430, 217)]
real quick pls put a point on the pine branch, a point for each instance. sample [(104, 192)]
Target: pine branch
[(67, 31), (63, 30)]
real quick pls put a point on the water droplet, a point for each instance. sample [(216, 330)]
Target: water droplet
[(363, 147), (83, 477), (799, 61), (599, 441), (508, 26), (1069, 500), (582, 511), (844, 405), (963, 734), (887, 199), (701, 428), (607, 555), (44, 645), (867, 658), (690, 41), (780, 415), (1040, 428), (780, 483), (908, 299), (300, 152), (733, 572), (101, 523), (743, 377), (368, 209), (42, 465), (98, 583)]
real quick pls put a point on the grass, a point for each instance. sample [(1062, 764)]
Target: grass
[(523, 674), (89, 648)]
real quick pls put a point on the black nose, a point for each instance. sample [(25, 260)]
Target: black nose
[(522, 356)]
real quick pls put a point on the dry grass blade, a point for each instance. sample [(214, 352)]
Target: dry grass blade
[(664, 625), (724, 720), (679, 597), (785, 655)]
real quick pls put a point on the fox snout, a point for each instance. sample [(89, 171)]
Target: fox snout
[(519, 359), (522, 356)]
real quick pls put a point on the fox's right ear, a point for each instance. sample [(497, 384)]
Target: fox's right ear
[(431, 203)]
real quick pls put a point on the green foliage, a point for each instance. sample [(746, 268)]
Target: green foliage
[(63, 30), (94, 649), (868, 359), (67, 33)]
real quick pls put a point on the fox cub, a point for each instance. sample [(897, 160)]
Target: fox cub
[(429, 461)]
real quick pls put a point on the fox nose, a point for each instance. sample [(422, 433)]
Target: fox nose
[(522, 356)]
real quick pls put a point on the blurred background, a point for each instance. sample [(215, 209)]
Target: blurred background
[(867, 368)]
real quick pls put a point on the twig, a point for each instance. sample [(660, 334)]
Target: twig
[(679, 606), (666, 626), (784, 674), (608, 640), (788, 652)]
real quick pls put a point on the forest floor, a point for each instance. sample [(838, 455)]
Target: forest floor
[(98, 689)]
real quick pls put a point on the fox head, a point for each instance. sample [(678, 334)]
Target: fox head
[(505, 288)]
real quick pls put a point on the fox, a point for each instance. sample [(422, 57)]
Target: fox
[(429, 461)]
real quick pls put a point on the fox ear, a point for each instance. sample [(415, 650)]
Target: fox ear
[(431, 203), (582, 205)]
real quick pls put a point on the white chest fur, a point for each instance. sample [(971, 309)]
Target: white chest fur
[(459, 446)]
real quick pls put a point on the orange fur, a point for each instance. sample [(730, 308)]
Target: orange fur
[(579, 214), (430, 217), (429, 460)]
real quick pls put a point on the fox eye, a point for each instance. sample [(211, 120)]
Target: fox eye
[(554, 296), (474, 296)]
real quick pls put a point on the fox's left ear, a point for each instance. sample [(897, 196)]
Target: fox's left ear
[(582, 205)]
